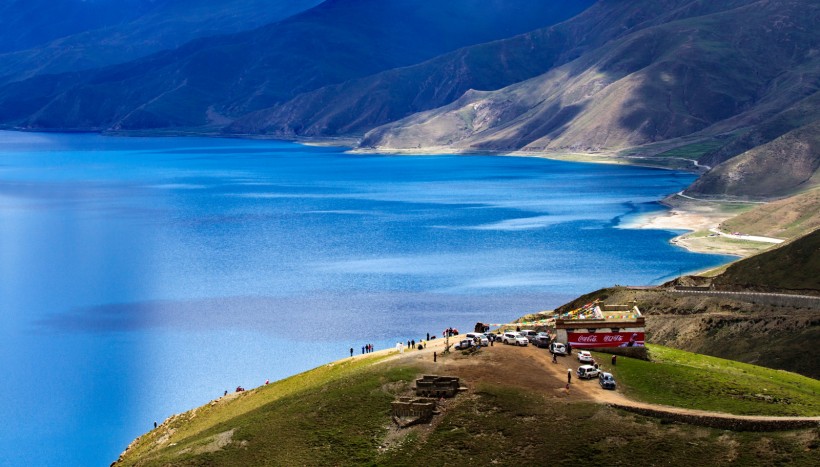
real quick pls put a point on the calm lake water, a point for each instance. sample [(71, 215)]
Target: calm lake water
[(141, 277)]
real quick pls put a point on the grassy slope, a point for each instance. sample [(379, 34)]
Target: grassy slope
[(683, 379), (339, 415), (328, 396), (794, 266)]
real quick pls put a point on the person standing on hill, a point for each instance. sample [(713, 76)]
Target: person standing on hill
[(351, 351)]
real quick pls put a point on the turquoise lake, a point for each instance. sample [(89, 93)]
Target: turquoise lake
[(141, 277)]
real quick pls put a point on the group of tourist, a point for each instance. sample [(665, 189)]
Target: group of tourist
[(449, 332), (411, 344)]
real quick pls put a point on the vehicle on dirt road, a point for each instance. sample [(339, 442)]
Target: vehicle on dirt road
[(587, 372), (585, 357), (606, 380), (558, 348), (529, 334), (482, 339), (465, 344), (542, 342), (513, 338)]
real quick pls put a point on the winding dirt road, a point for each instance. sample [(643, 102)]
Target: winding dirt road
[(532, 368)]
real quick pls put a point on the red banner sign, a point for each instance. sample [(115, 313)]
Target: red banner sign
[(605, 339)]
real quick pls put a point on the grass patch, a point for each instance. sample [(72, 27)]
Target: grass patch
[(342, 403), (715, 271), (692, 151), (684, 379)]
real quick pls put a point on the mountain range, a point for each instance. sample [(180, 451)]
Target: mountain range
[(731, 85), (54, 36)]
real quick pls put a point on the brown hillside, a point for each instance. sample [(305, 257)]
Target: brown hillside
[(696, 73), (794, 267), (787, 218), (778, 168)]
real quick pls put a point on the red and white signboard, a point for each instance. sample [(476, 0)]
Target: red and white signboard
[(605, 339)]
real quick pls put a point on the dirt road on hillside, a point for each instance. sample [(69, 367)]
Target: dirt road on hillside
[(532, 368)]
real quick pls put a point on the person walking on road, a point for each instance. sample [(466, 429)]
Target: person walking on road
[(569, 375)]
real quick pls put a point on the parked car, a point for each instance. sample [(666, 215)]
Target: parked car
[(558, 348), (465, 344), (528, 333), (514, 338), (480, 336), (542, 342), (606, 380), (587, 372), (585, 357)]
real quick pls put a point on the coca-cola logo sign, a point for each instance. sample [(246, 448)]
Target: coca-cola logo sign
[(605, 339)]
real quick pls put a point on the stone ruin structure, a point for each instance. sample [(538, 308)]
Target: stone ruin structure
[(437, 386), (408, 411)]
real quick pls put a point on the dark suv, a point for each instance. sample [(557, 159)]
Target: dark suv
[(606, 380), (542, 342)]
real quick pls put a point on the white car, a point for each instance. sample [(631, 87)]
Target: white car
[(585, 357), (465, 344), (482, 338), (587, 372), (558, 348), (515, 339)]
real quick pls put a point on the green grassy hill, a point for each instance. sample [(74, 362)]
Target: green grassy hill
[(339, 415), (793, 267), (684, 379)]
